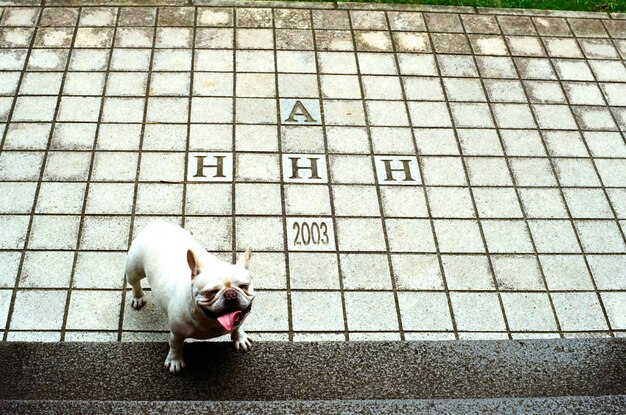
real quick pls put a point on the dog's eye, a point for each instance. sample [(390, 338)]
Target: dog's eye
[(244, 286), (210, 294)]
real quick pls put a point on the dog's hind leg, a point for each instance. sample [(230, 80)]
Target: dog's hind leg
[(134, 275)]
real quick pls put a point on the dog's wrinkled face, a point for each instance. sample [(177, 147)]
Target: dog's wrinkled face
[(223, 291)]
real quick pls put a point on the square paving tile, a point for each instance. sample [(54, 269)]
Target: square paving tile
[(528, 312), (371, 311), (28, 314), (477, 311), (46, 269), (424, 311), (555, 267), (314, 270), (517, 272), (467, 272), (60, 198), (317, 311), (579, 311), (94, 310), (439, 200)]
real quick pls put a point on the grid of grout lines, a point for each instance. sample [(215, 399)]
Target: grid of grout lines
[(514, 228)]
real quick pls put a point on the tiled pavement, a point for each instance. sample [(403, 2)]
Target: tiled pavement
[(427, 173)]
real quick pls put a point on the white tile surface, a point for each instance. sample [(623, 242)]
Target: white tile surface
[(514, 208)]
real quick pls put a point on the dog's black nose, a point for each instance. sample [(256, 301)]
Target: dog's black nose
[(230, 295)]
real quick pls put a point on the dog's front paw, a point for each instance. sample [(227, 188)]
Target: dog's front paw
[(242, 343), (137, 303), (175, 366)]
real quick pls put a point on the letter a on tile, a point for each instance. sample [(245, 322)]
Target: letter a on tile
[(299, 110)]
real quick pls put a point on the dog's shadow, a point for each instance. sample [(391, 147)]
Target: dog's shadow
[(211, 369)]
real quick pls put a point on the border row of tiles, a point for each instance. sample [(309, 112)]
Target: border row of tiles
[(319, 5)]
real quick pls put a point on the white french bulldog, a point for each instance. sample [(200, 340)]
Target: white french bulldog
[(202, 296)]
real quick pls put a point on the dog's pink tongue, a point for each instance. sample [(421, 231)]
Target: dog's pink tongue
[(228, 320)]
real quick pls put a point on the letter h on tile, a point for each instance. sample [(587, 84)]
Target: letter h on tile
[(406, 168), (295, 168), (200, 166)]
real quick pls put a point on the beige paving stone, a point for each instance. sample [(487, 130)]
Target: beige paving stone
[(121, 60), (488, 171), (572, 266), (270, 312), (471, 115), (215, 234), (371, 311), (62, 198), (477, 312), (562, 48), (176, 16), (439, 202), (517, 272), (522, 143), (99, 270), (424, 311), (467, 272), (20, 16), (614, 304), (376, 63), (579, 311), (443, 22), (5, 301), (411, 42), (16, 37), (525, 46), (314, 270), (488, 45), (29, 315), (16, 197), (294, 39), (600, 236), (292, 18), (535, 68), (553, 236), (516, 25), (528, 311), (480, 142), (210, 16), (105, 232), (497, 203), (316, 311), (423, 89), (543, 203), (46, 269), (415, 272), (412, 64), (94, 310), (360, 234), (27, 136), (554, 26), (136, 16)]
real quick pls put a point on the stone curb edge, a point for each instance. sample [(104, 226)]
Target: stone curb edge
[(315, 371), (558, 405), (319, 5)]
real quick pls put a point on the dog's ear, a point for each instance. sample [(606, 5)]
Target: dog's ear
[(193, 264), (244, 260)]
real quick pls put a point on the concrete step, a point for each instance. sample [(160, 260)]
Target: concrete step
[(502, 406), (370, 377)]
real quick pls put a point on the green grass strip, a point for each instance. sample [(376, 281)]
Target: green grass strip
[(578, 5)]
